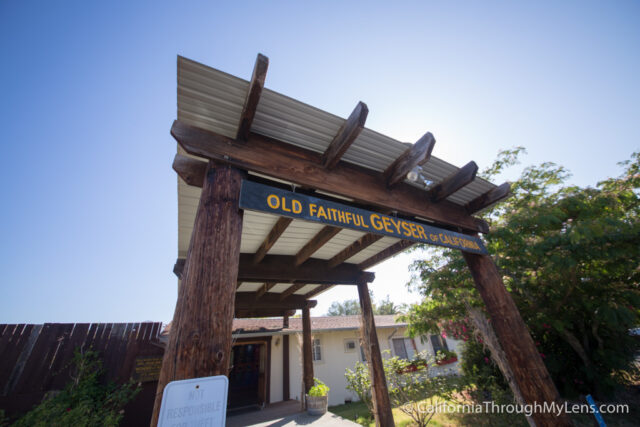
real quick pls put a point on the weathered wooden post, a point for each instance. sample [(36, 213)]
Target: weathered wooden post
[(285, 360), (379, 391), (528, 368), (200, 337), (307, 357)]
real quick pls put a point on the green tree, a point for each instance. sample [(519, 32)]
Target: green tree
[(351, 307), (345, 308), (569, 256)]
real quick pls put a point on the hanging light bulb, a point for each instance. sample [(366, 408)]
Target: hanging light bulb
[(414, 174)]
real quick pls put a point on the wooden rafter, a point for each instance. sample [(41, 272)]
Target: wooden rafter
[(345, 136), (263, 312), (316, 291), (253, 96), (292, 289), (273, 236), (415, 155), (490, 197), (357, 246), (264, 289), (191, 170), (178, 267), (281, 269), (386, 253), (247, 300), (303, 167), (322, 237), (465, 175)]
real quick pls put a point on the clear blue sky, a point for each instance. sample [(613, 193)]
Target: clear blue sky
[(88, 223)]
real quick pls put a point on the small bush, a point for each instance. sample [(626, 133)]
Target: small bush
[(319, 388), (84, 401)]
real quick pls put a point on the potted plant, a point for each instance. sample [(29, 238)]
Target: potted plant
[(318, 398), (445, 357)]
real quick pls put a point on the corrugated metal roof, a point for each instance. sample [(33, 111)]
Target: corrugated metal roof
[(213, 100)]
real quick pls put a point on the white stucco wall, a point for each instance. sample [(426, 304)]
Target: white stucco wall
[(335, 360)]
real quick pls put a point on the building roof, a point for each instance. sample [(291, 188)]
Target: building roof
[(213, 100), (318, 324)]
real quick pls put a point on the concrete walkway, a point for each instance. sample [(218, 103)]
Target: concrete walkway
[(287, 414)]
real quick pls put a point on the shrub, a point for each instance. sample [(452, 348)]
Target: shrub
[(319, 388), (84, 401)]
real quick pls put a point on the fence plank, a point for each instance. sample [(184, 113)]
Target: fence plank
[(9, 356)]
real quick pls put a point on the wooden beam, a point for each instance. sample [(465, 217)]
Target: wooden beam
[(307, 357), (386, 253), (416, 155), (322, 237), (379, 392), (280, 269), (291, 289), (200, 338), (303, 167), (357, 246), (316, 291), (490, 197), (247, 300), (192, 171), (454, 182), (345, 136), (178, 267), (264, 289), (253, 96), (262, 312), (524, 359), (285, 364), (271, 239)]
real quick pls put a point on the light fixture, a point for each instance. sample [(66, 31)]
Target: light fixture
[(414, 174)]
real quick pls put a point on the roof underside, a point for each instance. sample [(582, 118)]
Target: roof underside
[(213, 100)]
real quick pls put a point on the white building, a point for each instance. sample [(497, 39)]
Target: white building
[(261, 375)]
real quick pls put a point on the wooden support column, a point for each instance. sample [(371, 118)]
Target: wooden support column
[(307, 357), (528, 368), (285, 360), (200, 338), (379, 391)]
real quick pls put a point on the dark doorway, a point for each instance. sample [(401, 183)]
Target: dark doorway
[(248, 376)]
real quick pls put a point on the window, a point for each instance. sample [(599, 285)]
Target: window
[(404, 348), (316, 350), (438, 343), (349, 345)]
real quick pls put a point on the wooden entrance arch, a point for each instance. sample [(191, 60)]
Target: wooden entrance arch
[(254, 262)]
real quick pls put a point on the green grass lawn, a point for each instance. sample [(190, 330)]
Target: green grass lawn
[(359, 413)]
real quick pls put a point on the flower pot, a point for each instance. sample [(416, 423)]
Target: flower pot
[(447, 361), (317, 405)]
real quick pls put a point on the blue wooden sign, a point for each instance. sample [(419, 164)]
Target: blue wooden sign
[(263, 198)]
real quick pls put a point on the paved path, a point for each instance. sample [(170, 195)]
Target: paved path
[(286, 414)]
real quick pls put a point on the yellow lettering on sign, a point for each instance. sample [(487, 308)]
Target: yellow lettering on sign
[(364, 223), (297, 206), (349, 215), (375, 221), (322, 213), (312, 209), (273, 201), (421, 232)]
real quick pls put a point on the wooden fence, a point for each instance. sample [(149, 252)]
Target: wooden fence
[(35, 359)]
